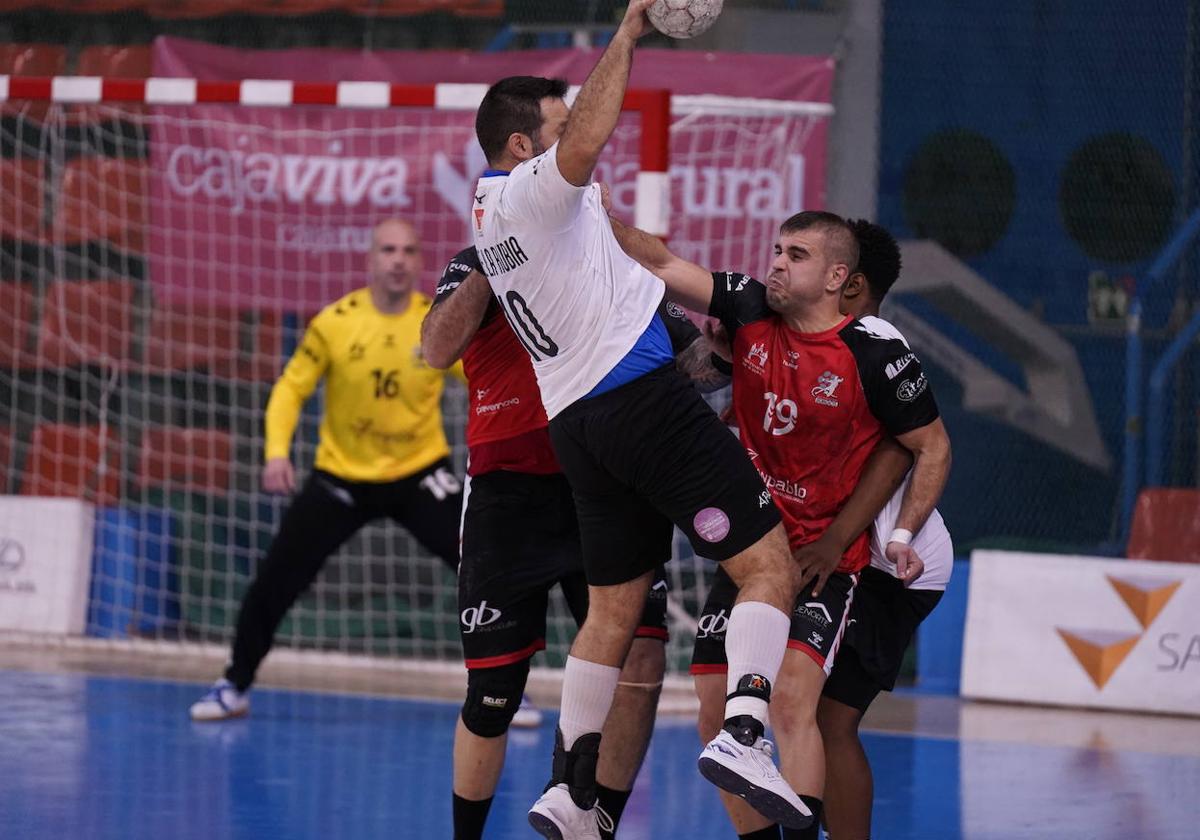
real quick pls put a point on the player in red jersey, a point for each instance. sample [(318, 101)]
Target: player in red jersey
[(814, 392), (521, 537)]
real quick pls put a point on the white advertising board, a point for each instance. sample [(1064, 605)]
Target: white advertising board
[(45, 564), (1083, 631)]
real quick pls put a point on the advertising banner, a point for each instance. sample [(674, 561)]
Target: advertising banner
[(45, 564), (1083, 631), (274, 206)]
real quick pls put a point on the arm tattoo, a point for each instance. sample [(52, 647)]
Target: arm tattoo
[(695, 362)]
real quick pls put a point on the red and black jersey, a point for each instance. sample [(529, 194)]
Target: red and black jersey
[(812, 406), (506, 422)]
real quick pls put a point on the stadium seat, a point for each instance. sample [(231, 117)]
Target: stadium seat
[(195, 460), (21, 195), (192, 336), (31, 60), (16, 316), (74, 461), (86, 323), (102, 198), (114, 61), (1166, 525), (267, 358)]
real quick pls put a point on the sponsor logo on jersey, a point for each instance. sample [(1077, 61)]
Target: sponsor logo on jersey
[(711, 625), (492, 408), (502, 257), (793, 490), (815, 639), (731, 285), (357, 351), (894, 368), (910, 389), (793, 360), (764, 499), (478, 214), (481, 616), (824, 390), (756, 357), (676, 311)]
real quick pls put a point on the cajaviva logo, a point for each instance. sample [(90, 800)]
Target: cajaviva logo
[(1100, 650)]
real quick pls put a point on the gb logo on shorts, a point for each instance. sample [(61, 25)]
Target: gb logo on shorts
[(712, 625), (481, 616)]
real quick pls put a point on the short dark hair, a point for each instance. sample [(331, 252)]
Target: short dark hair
[(843, 246), (878, 256), (513, 106)]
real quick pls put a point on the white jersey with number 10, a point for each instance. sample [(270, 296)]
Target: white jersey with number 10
[(575, 299)]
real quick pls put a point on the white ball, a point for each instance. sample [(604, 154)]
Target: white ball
[(684, 18)]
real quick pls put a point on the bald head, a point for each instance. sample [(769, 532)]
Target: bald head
[(394, 261)]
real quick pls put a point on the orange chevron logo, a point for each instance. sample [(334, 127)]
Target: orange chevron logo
[(1101, 651)]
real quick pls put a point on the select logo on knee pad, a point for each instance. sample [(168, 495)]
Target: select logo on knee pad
[(495, 702)]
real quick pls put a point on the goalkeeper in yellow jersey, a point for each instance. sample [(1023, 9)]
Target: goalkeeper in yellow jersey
[(382, 450)]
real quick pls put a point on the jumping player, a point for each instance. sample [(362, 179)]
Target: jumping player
[(639, 446)]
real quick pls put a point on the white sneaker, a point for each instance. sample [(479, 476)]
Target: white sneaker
[(222, 702), (555, 815), (528, 716), (750, 772)]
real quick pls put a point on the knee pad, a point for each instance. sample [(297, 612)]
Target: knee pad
[(493, 697)]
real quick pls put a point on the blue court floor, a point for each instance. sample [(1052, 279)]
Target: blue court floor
[(107, 757)]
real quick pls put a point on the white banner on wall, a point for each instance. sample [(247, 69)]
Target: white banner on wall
[(1083, 631), (45, 564)]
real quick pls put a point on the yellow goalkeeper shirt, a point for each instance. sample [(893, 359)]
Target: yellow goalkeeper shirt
[(382, 418)]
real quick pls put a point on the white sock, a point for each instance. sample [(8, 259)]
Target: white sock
[(588, 689), (755, 641)]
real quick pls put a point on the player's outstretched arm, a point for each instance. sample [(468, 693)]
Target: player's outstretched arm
[(687, 283), (453, 321), (598, 106), (881, 476)]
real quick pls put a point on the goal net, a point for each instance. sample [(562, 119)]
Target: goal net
[(159, 259)]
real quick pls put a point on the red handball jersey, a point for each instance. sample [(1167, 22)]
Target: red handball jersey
[(812, 406), (507, 427)]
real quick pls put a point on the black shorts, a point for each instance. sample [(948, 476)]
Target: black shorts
[(818, 624), (648, 454), (427, 503), (520, 537), (883, 619)]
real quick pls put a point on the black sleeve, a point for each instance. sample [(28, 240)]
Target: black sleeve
[(896, 386), (737, 300), (462, 264), (680, 328)]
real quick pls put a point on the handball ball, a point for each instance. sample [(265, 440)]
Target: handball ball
[(684, 18)]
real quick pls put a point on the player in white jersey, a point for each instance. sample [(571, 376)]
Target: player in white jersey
[(639, 446), (887, 608)]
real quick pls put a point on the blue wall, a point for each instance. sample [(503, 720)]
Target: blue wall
[(1037, 79)]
